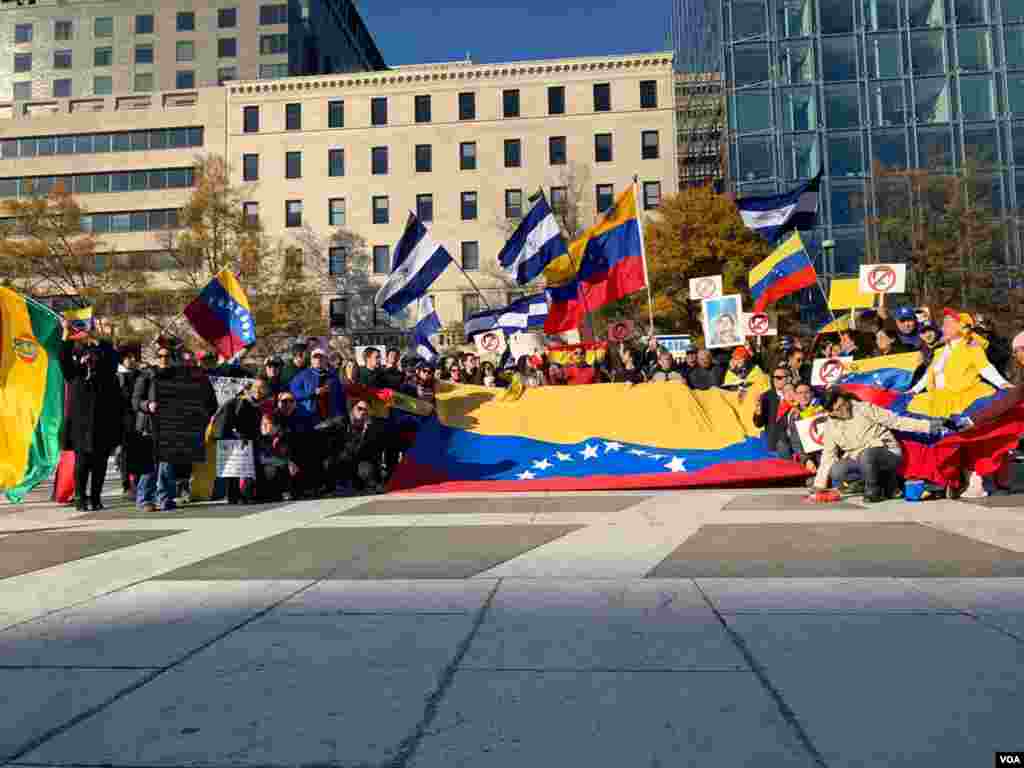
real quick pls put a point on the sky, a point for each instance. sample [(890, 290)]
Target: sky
[(424, 31)]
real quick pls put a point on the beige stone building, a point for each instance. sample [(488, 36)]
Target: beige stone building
[(463, 144)]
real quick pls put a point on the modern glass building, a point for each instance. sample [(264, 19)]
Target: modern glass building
[(844, 84)]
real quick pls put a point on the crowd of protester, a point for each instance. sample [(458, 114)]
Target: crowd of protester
[(309, 417)]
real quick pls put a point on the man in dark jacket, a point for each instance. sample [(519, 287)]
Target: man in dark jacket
[(391, 376), (295, 366), (318, 389), (97, 415), (706, 375), (127, 375), (766, 414), (239, 419), (357, 449), (370, 372)]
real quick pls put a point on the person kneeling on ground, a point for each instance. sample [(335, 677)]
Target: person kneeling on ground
[(859, 436), (356, 450)]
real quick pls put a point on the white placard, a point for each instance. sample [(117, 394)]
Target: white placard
[(709, 287), (526, 344), (235, 459), (883, 278), (723, 322), (828, 371), (758, 324), (226, 388), (491, 344), (812, 433)]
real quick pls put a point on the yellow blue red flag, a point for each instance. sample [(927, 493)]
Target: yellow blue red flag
[(221, 315)]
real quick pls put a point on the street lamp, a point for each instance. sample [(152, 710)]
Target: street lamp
[(829, 249)]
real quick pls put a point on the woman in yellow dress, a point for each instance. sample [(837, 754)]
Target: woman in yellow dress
[(960, 372)]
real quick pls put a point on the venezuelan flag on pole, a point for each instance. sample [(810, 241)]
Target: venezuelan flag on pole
[(81, 321), (31, 393), (221, 315), (786, 271)]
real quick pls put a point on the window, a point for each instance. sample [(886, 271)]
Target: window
[(470, 305), (605, 195), (800, 156), (271, 44), (510, 102), (652, 195), (751, 64), (336, 211), (185, 78), (251, 213), (839, 58), (799, 107), (227, 47), (977, 97), (186, 21), (103, 57), (226, 74), (381, 209), (422, 107), (293, 213), (379, 111), (513, 203), (144, 53), (513, 153), (143, 81), (556, 100), (603, 148), (250, 167), (23, 62), (273, 71), (103, 26), (336, 114), (559, 199), (184, 50), (23, 33), (467, 106), (379, 161), (336, 162), (841, 106), (62, 30), (928, 52), (929, 13), (102, 85), (556, 150), (424, 158), (381, 260), (274, 14), (471, 258), (467, 156), (648, 94), (62, 88), (250, 119), (974, 49), (293, 165), (23, 92), (227, 18), (143, 24), (293, 117), (62, 59), (602, 97), (649, 149), (425, 208), (753, 110), (469, 206), (336, 260)]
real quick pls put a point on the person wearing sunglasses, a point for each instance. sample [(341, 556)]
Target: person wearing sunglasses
[(157, 481), (769, 412)]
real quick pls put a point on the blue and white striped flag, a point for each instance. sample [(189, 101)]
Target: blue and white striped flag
[(773, 216), (536, 242), (528, 312), (419, 261), (428, 324)]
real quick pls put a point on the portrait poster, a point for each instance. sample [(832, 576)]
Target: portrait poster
[(723, 322)]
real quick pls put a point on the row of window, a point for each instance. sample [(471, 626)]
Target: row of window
[(120, 221), (423, 156), (94, 183), (469, 209), (185, 21), (423, 108), (94, 143)]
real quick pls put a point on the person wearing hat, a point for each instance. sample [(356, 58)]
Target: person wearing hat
[(907, 332), (743, 372), (295, 365), (318, 390), (273, 368)]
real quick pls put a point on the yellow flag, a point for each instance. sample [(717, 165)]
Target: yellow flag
[(845, 294)]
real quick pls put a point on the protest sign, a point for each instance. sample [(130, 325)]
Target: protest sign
[(812, 433), (226, 388), (828, 371), (620, 330), (676, 344), (526, 344), (883, 278), (758, 324), (723, 326), (491, 344), (181, 420), (702, 288), (235, 459)]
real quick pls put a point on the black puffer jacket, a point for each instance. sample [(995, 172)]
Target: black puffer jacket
[(96, 407)]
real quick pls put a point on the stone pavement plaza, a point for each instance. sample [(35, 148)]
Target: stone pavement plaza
[(704, 628)]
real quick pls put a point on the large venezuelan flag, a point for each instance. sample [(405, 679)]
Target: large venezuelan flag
[(611, 266), (586, 438), (31, 393), (221, 315), (786, 271)]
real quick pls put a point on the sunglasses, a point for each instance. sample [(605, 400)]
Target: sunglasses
[(284, 400), (780, 378), (359, 409), (163, 357)]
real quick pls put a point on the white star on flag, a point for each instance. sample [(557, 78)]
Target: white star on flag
[(563, 456), (526, 475), (545, 464), (676, 465), (589, 452), (637, 452), (613, 447)]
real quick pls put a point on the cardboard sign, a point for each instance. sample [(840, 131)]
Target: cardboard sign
[(883, 278), (227, 388), (528, 344), (235, 459), (812, 433), (723, 322), (181, 419), (758, 324), (828, 372), (492, 343), (620, 330), (702, 288), (677, 345)]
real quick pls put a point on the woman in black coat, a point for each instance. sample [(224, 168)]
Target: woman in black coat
[(95, 415)]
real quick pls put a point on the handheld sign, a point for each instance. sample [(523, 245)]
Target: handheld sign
[(702, 288), (491, 343), (235, 459), (812, 433), (883, 278), (758, 324), (620, 330), (526, 344), (828, 372)]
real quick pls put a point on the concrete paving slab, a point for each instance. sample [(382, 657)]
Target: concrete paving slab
[(1005, 534), (817, 595), (38, 700), (202, 510), (995, 601), (772, 502), (149, 625), (1009, 501), (616, 625), (834, 550), (893, 689), (607, 720), (377, 597), (522, 505), (28, 552)]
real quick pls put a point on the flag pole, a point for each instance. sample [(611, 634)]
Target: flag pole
[(643, 253), (470, 279)]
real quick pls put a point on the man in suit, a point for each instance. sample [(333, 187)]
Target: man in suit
[(767, 414)]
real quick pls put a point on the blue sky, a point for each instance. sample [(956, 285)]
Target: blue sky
[(420, 31)]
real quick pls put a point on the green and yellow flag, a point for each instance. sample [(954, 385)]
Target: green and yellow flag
[(31, 393)]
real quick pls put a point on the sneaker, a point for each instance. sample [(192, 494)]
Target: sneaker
[(857, 486), (975, 488), (873, 498), (148, 508)]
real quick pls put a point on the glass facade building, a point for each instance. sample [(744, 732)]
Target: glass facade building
[(852, 85)]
